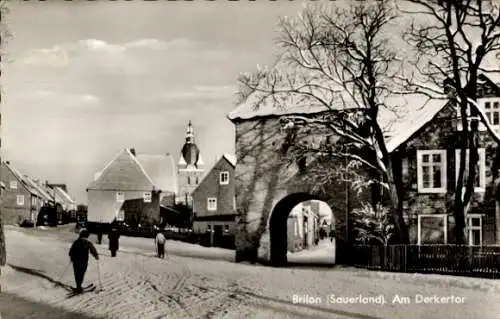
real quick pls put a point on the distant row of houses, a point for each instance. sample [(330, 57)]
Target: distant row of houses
[(30, 201)]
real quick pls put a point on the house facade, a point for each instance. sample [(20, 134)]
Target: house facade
[(130, 189), (21, 201), (428, 155), (214, 199), (303, 226)]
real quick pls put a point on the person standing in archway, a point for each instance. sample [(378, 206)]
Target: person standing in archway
[(332, 234)]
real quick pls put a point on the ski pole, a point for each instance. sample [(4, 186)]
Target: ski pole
[(60, 278), (99, 275)]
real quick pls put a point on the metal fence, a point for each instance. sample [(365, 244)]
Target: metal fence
[(474, 261)]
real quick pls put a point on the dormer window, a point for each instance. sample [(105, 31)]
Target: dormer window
[(481, 126), (224, 178), (146, 197)]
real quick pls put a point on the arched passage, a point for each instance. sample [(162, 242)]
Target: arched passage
[(278, 226)]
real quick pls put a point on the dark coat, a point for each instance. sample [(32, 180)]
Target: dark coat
[(114, 237), (79, 251)]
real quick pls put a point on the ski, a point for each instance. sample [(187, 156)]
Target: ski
[(85, 289)]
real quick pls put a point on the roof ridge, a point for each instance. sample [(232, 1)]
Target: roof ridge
[(140, 166)]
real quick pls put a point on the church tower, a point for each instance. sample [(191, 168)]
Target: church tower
[(190, 168)]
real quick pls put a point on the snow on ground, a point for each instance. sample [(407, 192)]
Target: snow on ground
[(138, 285), (323, 253)]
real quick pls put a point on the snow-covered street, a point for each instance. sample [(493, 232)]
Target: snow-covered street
[(207, 284)]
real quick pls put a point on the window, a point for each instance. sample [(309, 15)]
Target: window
[(120, 197), (480, 182), (491, 108), (212, 203), (481, 126), (146, 197), (234, 202), (33, 200), (20, 200), (189, 180), (432, 229), (226, 228), (197, 180), (209, 228), (431, 171), (13, 184), (475, 229), (121, 215), (224, 178)]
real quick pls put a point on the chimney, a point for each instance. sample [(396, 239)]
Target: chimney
[(132, 150)]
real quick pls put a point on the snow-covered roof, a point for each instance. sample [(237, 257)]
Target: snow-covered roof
[(408, 125), (22, 179), (230, 158), (41, 190), (64, 195), (161, 169), (123, 173), (398, 124), (127, 171)]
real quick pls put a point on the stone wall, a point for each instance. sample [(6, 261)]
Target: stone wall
[(265, 176)]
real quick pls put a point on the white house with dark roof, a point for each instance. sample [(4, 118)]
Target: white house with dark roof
[(130, 188)]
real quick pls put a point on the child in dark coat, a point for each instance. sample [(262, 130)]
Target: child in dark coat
[(79, 255), (114, 244)]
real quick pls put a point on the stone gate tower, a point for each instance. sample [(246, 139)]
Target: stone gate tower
[(190, 168)]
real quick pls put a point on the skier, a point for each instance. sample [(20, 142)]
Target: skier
[(160, 244), (99, 235), (79, 255), (114, 244)]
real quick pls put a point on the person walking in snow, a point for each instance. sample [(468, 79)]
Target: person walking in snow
[(114, 243), (160, 244), (99, 235), (79, 255)]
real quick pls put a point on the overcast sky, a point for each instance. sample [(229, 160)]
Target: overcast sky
[(87, 79), (84, 80)]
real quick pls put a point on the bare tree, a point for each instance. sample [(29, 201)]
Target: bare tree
[(453, 44), (339, 60)]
